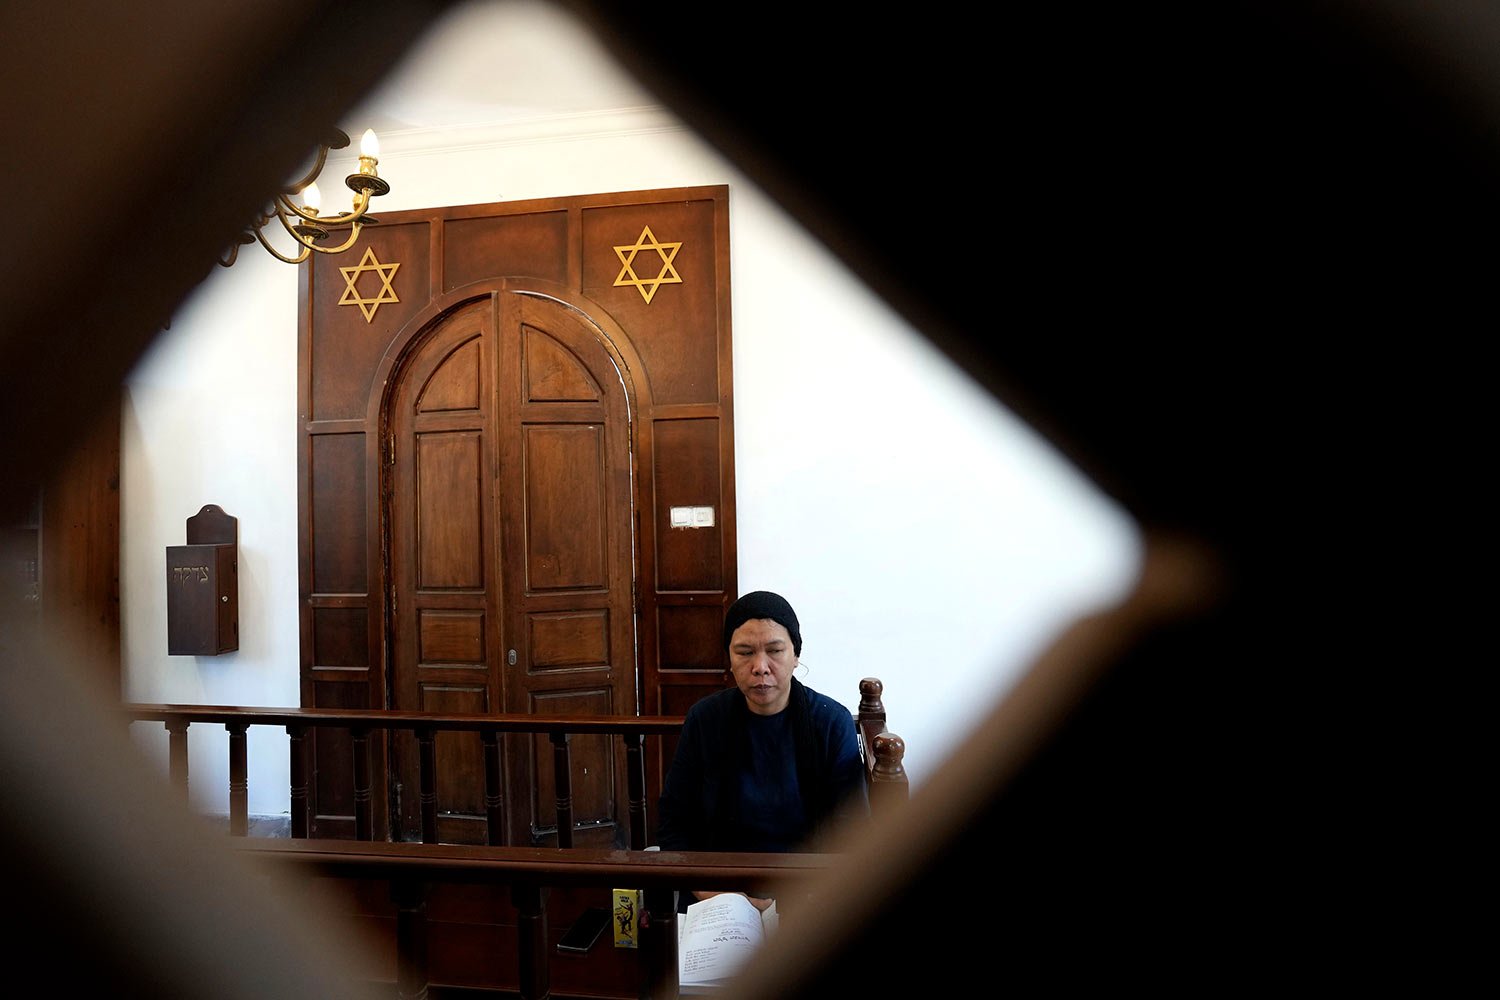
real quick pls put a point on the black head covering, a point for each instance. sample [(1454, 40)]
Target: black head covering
[(763, 604)]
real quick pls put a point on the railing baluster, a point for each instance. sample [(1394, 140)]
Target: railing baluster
[(635, 779), (177, 755), (494, 801), (534, 975), (562, 781), (427, 778), (364, 820), (239, 784), (298, 739)]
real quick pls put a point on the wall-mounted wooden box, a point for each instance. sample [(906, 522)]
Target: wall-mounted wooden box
[(203, 588)]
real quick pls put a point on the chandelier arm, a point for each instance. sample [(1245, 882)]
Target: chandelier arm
[(361, 205), (284, 211), (312, 175), (308, 245), (353, 235), (285, 206), (306, 250)]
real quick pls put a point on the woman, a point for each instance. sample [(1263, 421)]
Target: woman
[(765, 765)]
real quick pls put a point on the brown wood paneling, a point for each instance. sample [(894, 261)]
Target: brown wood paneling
[(691, 637), (452, 636), (560, 493), (449, 510), (683, 318), (687, 474), (471, 904), (477, 956), (456, 384), (345, 348), (565, 503), (337, 499), (340, 638), (570, 639), (532, 245), (79, 550), (677, 699), (471, 938), (454, 699), (551, 374), (371, 912)]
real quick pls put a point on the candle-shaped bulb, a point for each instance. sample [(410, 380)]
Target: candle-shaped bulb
[(312, 200), (368, 144)]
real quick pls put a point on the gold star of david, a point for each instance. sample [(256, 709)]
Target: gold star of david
[(351, 296), (647, 286)]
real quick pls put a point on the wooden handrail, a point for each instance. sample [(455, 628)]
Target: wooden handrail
[(582, 867), (649, 725)]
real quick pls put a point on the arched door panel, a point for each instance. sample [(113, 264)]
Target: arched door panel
[(511, 560)]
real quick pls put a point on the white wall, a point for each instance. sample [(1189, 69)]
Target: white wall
[(923, 534)]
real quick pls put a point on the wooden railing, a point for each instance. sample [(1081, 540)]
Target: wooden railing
[(882, 751), (411, 870), (360, 723)]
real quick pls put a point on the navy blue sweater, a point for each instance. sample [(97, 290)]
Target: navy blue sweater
[(742, 782)]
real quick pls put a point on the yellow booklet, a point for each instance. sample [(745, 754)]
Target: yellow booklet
[(628, 904)]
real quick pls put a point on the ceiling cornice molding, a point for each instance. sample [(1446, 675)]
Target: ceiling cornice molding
[(542, 129)]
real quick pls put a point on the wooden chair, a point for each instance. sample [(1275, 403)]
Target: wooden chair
[(882, 750)]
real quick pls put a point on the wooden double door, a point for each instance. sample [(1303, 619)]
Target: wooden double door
[(508, 513)]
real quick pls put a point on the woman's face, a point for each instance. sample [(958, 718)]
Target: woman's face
[(762, 661)]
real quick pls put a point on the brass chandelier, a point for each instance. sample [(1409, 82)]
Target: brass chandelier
[(302, 222)]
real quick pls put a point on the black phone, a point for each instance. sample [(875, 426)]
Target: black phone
[(585, 930)]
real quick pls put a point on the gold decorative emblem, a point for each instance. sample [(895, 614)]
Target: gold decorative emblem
[(351, 296), (647, 286)]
